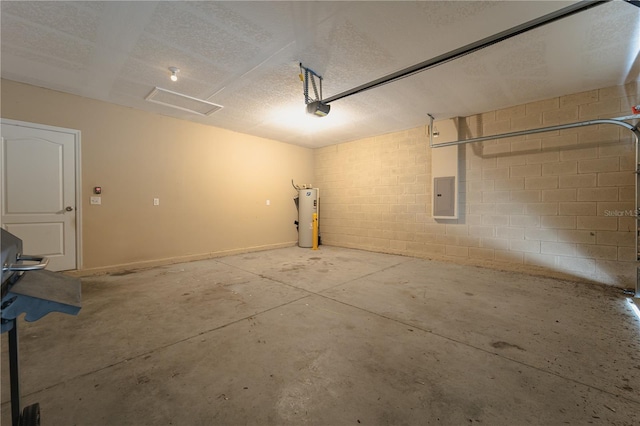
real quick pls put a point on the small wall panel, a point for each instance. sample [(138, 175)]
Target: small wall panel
[(444, 171)]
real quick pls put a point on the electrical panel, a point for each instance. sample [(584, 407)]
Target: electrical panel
[(444, 196), (444, 171)]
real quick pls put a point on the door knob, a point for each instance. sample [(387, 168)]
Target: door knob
[(69, 209)]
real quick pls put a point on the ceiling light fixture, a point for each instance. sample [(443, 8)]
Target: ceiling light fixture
[(174, 73)]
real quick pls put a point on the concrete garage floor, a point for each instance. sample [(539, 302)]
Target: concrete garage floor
[(333, 337)]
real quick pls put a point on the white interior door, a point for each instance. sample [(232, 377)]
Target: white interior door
[(39, 190)]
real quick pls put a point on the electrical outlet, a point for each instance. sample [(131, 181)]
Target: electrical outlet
[(268, 202), (156, 201), (96, 201)]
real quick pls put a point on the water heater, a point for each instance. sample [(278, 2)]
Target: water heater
[(307, 206)]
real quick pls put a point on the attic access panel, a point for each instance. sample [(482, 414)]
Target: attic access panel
[(183, 102)]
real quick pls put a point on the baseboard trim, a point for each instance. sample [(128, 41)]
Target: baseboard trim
[(146, 264)]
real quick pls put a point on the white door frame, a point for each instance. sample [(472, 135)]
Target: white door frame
[(78, 174)]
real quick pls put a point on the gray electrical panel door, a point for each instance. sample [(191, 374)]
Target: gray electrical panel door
[(444, 196)]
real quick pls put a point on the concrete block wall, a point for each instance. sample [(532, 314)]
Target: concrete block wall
[(558, 204)]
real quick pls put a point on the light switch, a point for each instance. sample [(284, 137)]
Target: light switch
[(268, 202), (156, 201), (96, 200)]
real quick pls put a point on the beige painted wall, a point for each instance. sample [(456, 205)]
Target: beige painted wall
[(212, 184), (544, 203)]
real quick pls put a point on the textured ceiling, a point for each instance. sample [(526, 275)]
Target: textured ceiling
[(245, 55)]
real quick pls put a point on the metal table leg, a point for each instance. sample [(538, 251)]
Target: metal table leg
[(14, 374)]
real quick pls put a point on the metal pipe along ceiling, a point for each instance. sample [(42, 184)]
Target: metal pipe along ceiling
[(614, 121), (470, 48)]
